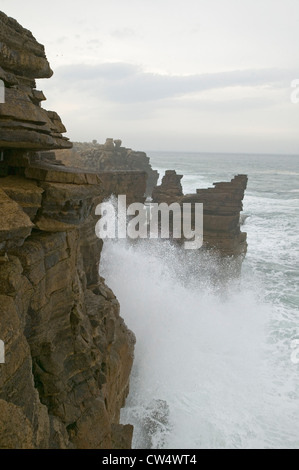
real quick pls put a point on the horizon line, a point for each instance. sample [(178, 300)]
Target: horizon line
[(227, 153)]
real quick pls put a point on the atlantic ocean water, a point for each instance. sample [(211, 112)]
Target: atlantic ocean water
[(216, 364)]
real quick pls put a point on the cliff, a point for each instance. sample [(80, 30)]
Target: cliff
[(68, 353), (110, 156)]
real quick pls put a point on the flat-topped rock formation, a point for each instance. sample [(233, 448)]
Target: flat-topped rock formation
[(110, 156), (222, 206), (68, 353)]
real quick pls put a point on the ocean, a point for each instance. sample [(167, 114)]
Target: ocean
[(216, 363)]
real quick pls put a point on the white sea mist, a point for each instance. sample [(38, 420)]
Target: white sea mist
[(203, 376)]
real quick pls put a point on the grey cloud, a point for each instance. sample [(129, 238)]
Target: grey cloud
[(245, 103), (61, 39), (75, 74), (127, 83), (94, 41), (123, 33)]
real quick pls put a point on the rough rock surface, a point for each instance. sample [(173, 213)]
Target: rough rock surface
[(68, 353), (222, 206), (110, 156), (170, 189), (23, 123)]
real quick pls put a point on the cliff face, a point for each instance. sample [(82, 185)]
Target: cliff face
[(68, 353), (110, 156)]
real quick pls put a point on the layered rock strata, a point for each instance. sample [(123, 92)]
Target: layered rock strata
[(23, 123), (68, 353), (222, 206), (110, 156)]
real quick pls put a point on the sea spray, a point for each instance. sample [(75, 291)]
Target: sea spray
[(201, 355), (215, 363)]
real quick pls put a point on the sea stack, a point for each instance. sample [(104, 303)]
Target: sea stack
[(222, 206)]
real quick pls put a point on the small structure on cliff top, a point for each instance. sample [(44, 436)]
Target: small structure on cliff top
[(110, 156)]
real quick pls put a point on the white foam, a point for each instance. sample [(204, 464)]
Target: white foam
[(201, 349)]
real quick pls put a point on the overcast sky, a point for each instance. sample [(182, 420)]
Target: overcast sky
[(194, 75)]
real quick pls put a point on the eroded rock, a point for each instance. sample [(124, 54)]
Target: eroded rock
[(110, 157), (68, 353), (23, 123), (222, 206)]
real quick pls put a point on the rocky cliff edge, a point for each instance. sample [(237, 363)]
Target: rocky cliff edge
[(68, 353)]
